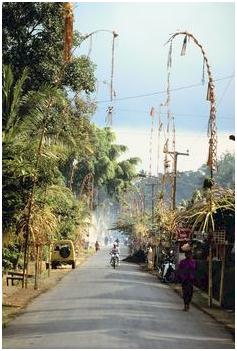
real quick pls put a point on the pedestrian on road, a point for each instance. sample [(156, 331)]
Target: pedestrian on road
[(186, 275), (97, 246), (150, 258)]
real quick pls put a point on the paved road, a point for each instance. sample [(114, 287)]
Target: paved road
[(97, 307)]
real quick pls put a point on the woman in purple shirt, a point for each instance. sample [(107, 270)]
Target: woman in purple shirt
[(186, 274)]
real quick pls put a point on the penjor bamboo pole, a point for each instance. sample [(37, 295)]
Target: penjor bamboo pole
[(222, 276)]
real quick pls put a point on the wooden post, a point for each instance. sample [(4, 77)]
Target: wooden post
[(40, 259), (27, 267), (36, 267), (210, 276), (49, 268), (222, 276), (153, 257)]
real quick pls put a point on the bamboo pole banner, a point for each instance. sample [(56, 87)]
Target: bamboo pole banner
[(152, 114), (68, 31), (222, 275), (212, 133), (159, 129), (109, 117), (210, 276)]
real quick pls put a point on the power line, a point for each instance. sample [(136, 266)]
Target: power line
[(225, 90), (161, 92), (174, 114)]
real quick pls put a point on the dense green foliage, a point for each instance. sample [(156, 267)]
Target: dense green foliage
[(144, 225), (50, 144), (33, 38)]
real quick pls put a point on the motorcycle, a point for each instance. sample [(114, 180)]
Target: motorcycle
[(167, 269), (114, 261)]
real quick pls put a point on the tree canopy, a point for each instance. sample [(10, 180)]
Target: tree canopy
[(33, 38), (51, 148)]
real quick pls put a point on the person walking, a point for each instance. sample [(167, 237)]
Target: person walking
[(97, 246), (150, 258), (186, 275)]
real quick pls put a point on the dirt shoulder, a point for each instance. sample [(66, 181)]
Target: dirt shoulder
[(15, 299)]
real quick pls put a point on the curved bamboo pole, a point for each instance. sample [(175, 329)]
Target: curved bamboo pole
[(212, 154)]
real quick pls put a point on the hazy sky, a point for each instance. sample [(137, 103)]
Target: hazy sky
[(140, 68)]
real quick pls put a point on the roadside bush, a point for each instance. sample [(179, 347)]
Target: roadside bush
[(10, 257)]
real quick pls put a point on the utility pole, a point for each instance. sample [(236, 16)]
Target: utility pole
[(152, 199), (175, 155)]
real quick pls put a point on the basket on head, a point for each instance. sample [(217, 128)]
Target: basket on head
[(186, 247)]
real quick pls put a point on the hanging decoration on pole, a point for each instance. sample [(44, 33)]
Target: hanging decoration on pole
[(152, 114), (212, 134), (166, 168), (167, 176), (90, 46), (68, 31), (160, 125), (68, 42), (109, 117), (203, 72)]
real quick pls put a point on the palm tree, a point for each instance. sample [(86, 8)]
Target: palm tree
[(28, 123)]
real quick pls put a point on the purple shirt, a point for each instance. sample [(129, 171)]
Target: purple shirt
[(186, 270)]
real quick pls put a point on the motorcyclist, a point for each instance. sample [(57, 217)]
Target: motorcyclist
[(115, 251)]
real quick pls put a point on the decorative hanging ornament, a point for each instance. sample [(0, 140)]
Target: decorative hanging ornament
[(165, 149), (203, 72), (169, 63), (210, 92), (183, 51), (152, 112), (210, 160), (90, 47), (109, 116), (68, 31)]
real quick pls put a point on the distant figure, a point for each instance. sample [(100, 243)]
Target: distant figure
[(186, 275), (106, 240), (150, 258), (97, 246)]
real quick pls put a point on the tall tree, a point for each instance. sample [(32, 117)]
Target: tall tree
[(33, 38)]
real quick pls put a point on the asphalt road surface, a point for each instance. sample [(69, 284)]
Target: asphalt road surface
[(97, 307)]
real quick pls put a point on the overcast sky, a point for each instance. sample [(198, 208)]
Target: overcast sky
[(140, 69)]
